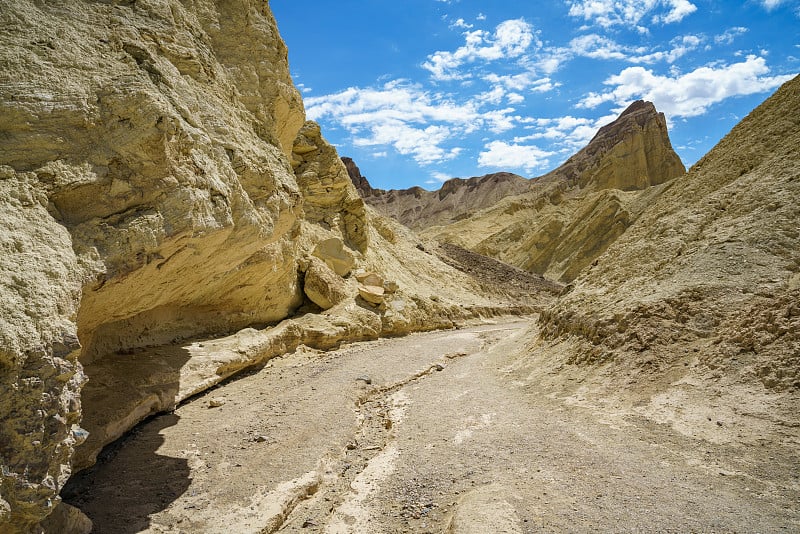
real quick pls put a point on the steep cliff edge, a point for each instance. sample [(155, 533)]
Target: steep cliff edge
[(572, 214), (160, 188)]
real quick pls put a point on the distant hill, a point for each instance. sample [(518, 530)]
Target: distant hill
[(569, 216), (456, 199)]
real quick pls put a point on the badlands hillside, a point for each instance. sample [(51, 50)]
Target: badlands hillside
[(457, 198), (554, 225), (170, 220)]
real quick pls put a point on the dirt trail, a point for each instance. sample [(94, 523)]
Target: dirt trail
[(428, 433)]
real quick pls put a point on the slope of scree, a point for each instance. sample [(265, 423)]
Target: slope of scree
[(572, 214), (160, 186), (715, 259), (701, 296)]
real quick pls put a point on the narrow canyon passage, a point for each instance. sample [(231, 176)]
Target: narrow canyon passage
[(424, 433)]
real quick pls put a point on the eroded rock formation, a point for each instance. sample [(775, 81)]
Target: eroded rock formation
[(145, 155), (709, 269), (158, 183), (571, 215)]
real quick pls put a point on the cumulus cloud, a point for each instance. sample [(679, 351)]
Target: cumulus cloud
[(502, 155), (523, 81), (608, 13), (413, 121), (690, 94), (601, 47), (511, 39)]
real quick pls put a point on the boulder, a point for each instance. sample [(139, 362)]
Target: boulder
[(370, 279), (333, 252), (324, 287), (371, 294)]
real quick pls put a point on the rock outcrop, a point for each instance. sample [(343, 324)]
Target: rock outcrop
[(360, 182), (145, 156), (323, 286), (571, 215), (710, 268), (158, 182)]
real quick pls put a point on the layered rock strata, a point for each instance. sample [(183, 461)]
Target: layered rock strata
[(456, 199)]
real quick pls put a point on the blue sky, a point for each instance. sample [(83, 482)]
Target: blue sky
[(419, 91)]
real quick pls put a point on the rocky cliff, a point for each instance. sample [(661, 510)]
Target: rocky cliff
[(572, 214), (360, 182), (690, 319), (159, 185)]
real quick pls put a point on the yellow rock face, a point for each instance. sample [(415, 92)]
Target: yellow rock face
[(158, 182)]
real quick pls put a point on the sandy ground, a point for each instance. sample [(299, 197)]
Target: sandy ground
[(427, 433)]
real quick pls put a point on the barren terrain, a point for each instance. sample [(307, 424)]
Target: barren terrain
[(443, 431)]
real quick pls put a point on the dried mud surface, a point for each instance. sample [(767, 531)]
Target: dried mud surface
[(436, 432)]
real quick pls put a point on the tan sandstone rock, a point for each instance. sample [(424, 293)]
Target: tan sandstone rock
[(147, 197), (323, 286), (154, 187), (329, 196), (372, 294), (335, 255), (573, 214)]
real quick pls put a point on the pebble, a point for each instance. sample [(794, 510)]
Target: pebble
[(216, 402), (365, 379)]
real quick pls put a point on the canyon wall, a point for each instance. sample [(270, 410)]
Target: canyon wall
[(710, 268), (159, 184)]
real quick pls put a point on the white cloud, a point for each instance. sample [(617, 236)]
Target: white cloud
[(420, 143), (412, 121), (502, 155), (607, 13), (600, 47), (680, 47), (569, 132), (769, 5), (461, 24), (679, 9), (439, 177), (729, 35), (480, 16), (597, 47), (690, 94), (524, 81), (511, 39)]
